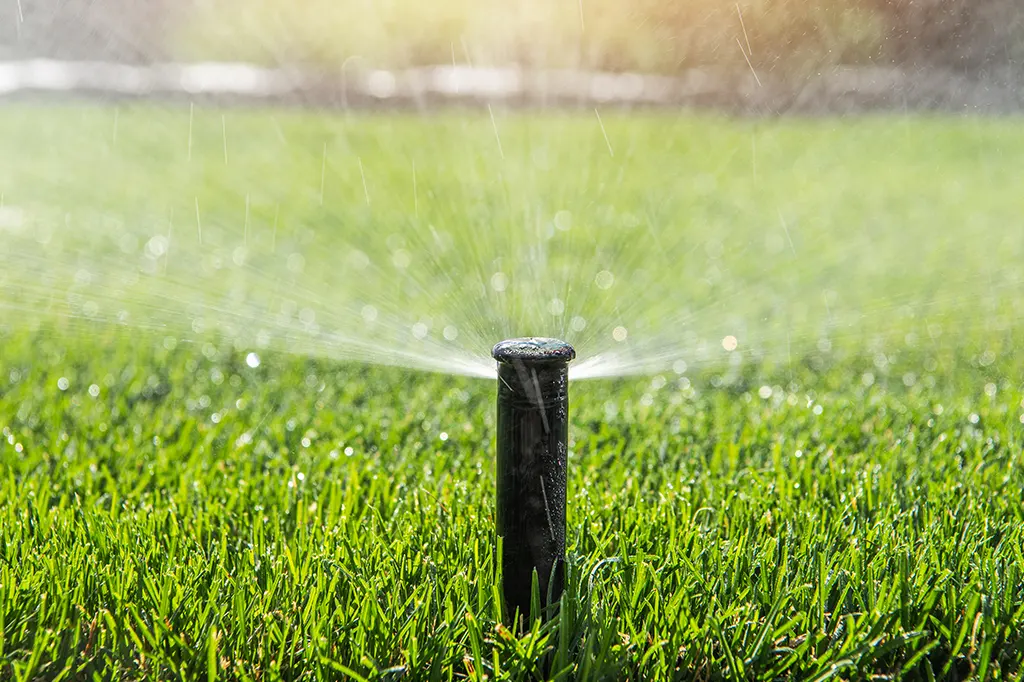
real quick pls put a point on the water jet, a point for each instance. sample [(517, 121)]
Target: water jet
[(532, 448)]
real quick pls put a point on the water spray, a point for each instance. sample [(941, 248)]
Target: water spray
[(533, 432)]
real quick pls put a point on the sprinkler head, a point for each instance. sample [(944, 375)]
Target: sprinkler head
[(533, 432)]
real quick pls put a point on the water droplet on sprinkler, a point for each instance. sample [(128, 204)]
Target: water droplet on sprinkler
[(534, 350), (252, 360)]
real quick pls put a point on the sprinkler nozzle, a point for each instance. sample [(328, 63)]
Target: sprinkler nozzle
[(533, 432)]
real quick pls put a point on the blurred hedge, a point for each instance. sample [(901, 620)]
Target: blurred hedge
[(647, 35)]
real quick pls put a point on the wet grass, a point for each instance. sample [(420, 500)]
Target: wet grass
[(843, 510)]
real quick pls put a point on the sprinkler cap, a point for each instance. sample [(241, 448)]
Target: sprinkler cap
[(533, 350)]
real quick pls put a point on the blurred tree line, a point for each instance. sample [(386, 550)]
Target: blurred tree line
[(779, 36)]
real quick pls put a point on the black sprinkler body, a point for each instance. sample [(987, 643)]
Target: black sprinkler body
[(533, 432)]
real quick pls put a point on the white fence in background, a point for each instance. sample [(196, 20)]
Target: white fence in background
[(351, 85)]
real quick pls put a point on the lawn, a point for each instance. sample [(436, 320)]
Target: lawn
[(202, 477)]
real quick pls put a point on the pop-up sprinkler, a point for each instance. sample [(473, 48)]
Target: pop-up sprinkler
[(533, 430)]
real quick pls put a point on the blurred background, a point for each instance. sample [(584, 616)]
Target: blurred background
[(940, 53)]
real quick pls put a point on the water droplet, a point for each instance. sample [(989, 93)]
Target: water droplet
[(450, 333), (296, 263), (419, 330), (128, 243), (556, 307), (679, 366), (499, 281), (63, 383), (867, 378), (443, 436), (973, 418), (156, 247), (253, 360), (765, 392), (401, 259), (11, 218), (94, 390), (578, 324), (358, 260), (620, 334), (990, 390), (604, 280), (369, 313), (730, 343), (563, 221)]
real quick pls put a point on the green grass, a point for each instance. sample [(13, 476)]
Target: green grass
[(168, 512)]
